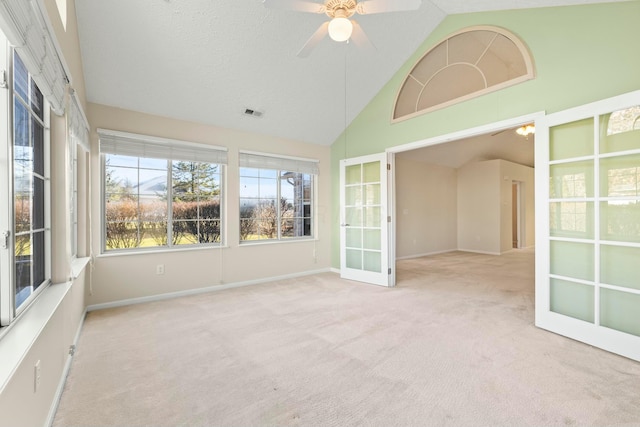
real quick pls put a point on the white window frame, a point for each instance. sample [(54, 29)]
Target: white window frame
[(137, 145), (8, 311), (280, 163)]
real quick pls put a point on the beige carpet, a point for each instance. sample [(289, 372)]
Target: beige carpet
[(453, 345)]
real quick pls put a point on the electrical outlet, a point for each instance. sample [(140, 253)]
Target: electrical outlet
[(160, 269), (36, 376)]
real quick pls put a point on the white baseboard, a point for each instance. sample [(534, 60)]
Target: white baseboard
[(335, 270), (187, 292), (479, 252), (65, 373), (425, 254)]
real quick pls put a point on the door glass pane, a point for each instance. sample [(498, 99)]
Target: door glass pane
[(354, 237), (353, 174), (619, 220), (353, 195), (571, 180), (372, 217), (372, 261), (353, 216), (619, 311), (571, 219), (372, 239), (620, 130), (572, 259), (620, 176), (572, 299), (354, 259), (371, 172), (372, 194), (571, 140), (619, 266)]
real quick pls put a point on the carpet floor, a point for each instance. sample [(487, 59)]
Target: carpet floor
[(453, 344)]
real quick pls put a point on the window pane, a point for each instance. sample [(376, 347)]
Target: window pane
[(620, 130), (619, 220), (572, 259), (619, 266), (249, 172), (249, 187), (38, 258), (22, 203), (119, 180), (572, 299), (23, 268), (38, 147), (128, 161), (569, 180), (268, 188), (20, 77), (122, 234), (619, 311), (153, 233), (620, 176), (571, 219), (571, 140), (22, 147), (38, 203)]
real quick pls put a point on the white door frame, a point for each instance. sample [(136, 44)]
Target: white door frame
[(443, 139)]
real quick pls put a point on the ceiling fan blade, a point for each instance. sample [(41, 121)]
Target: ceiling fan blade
[(369, 7), (313, 41), (297, 5), (359, 37)]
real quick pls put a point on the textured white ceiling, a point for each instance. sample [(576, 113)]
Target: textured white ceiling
[(207, 60)]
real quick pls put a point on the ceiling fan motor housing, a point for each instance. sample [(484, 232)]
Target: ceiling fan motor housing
[(340, 8)]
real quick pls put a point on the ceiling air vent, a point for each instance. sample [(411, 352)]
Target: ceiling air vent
[(252, 112)]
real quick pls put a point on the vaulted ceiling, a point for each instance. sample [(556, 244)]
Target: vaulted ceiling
[(208, 61)]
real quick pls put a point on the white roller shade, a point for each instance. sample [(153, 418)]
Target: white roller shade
[(77, 122), (26, 28), (284, 163), (130, 144)]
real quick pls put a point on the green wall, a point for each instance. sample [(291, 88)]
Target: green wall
[(581, 54)]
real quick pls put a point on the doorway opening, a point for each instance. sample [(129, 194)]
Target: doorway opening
[(470, 193)]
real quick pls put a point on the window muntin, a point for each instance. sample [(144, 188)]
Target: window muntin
[(30, 176), (137, 211), (275, 204)]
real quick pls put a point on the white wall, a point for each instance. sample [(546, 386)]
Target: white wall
[(133, 275), (425, 200), (479, 216)]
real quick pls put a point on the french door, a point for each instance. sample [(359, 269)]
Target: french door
[(365, 221), (588, 230)]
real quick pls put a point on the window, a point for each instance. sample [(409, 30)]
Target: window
[(150, 183), (26, 223), (78, 147), (470, 63), (276, 197)]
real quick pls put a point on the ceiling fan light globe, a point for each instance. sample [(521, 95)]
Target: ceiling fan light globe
[(340, 29)]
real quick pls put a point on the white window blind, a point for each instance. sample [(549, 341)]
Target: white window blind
[(26, 28), (130, 144), (284, 163), (77, 122)]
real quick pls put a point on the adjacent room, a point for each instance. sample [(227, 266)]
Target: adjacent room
[(319, 212)]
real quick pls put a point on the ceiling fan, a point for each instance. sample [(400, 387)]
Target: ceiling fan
[(341, 27)]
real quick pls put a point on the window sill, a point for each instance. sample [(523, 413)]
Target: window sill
[(275, 242), (78, 265), (17, 339), (159, 251)]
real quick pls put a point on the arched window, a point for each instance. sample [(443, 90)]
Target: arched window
[(467, 64)]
